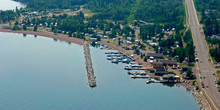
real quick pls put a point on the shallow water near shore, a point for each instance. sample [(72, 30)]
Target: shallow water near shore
[(10, 5), (39, 73)]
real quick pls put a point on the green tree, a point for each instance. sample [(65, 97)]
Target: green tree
[(189, 73)]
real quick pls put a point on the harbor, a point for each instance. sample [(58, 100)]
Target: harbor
[(89, 68), (60, 81), (137, 71)]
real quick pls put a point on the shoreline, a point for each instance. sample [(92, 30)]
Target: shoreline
[(49, 35), (81, 42), (202, 102)]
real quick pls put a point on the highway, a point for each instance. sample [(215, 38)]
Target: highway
[(211, 92)]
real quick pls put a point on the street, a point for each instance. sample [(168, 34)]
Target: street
[(202, 53)]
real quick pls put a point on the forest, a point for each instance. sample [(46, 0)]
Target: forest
[(6, 16), (160, 11)]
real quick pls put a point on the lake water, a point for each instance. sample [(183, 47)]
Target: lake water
[(38, 73), (10, 5)]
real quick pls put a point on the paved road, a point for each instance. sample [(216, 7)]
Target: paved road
[(202, 53)]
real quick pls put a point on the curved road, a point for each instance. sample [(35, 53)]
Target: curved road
[(204, 66)]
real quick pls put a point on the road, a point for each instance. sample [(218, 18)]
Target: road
[(204, 66)]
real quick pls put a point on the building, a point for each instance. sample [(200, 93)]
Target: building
[(168, 62), (160, 71), (185, 68), (169, 33), (93, 39), (215, 37), (169, 78), (158, 65), (155, 55)]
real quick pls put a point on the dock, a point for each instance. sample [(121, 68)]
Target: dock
[(133, 76), (89, 68)]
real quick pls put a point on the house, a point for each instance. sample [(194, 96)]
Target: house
[(108, 32), (148, 41), (155, 55), (93, 39), (185, 68), (169, 78), (129, 38), (153, 44), (160, 71), (57, 12), (185, 63), (169, 33), (168, 62), (158, 65), (215, 37)]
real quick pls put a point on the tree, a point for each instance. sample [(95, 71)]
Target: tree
[(119, 41), (189, 73), (24, 27), (35, 28)]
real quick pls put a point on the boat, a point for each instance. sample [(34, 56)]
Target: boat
[(147, 82), (115, 61), (120, 58), (109, 58), (125, 60), (127, 68), (133, 63), (143, 73)]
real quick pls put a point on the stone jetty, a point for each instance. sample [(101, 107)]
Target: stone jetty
[(89, 68)]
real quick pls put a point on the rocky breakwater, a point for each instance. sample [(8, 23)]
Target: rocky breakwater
[(89, 68), (203, 104)]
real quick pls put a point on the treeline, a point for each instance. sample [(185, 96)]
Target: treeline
[(215, 52), (186, 52), (53, 4), (160, 11), (111, 9), (210, 11), (6, 16)]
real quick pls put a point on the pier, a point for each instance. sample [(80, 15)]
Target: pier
[(89, 68)]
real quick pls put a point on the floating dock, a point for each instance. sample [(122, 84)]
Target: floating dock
[(90, 71), (133, 76)]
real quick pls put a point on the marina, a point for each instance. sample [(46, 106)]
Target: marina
[(60, 82)]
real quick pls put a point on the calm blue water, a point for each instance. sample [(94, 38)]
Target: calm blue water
[(10, 5), (43, 74)]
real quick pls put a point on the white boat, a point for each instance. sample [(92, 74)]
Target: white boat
[(147, 82), (127, 68), (125, 60), (114, 61), (109, 58)]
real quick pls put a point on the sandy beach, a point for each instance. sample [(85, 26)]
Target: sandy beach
[(48, 34)]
